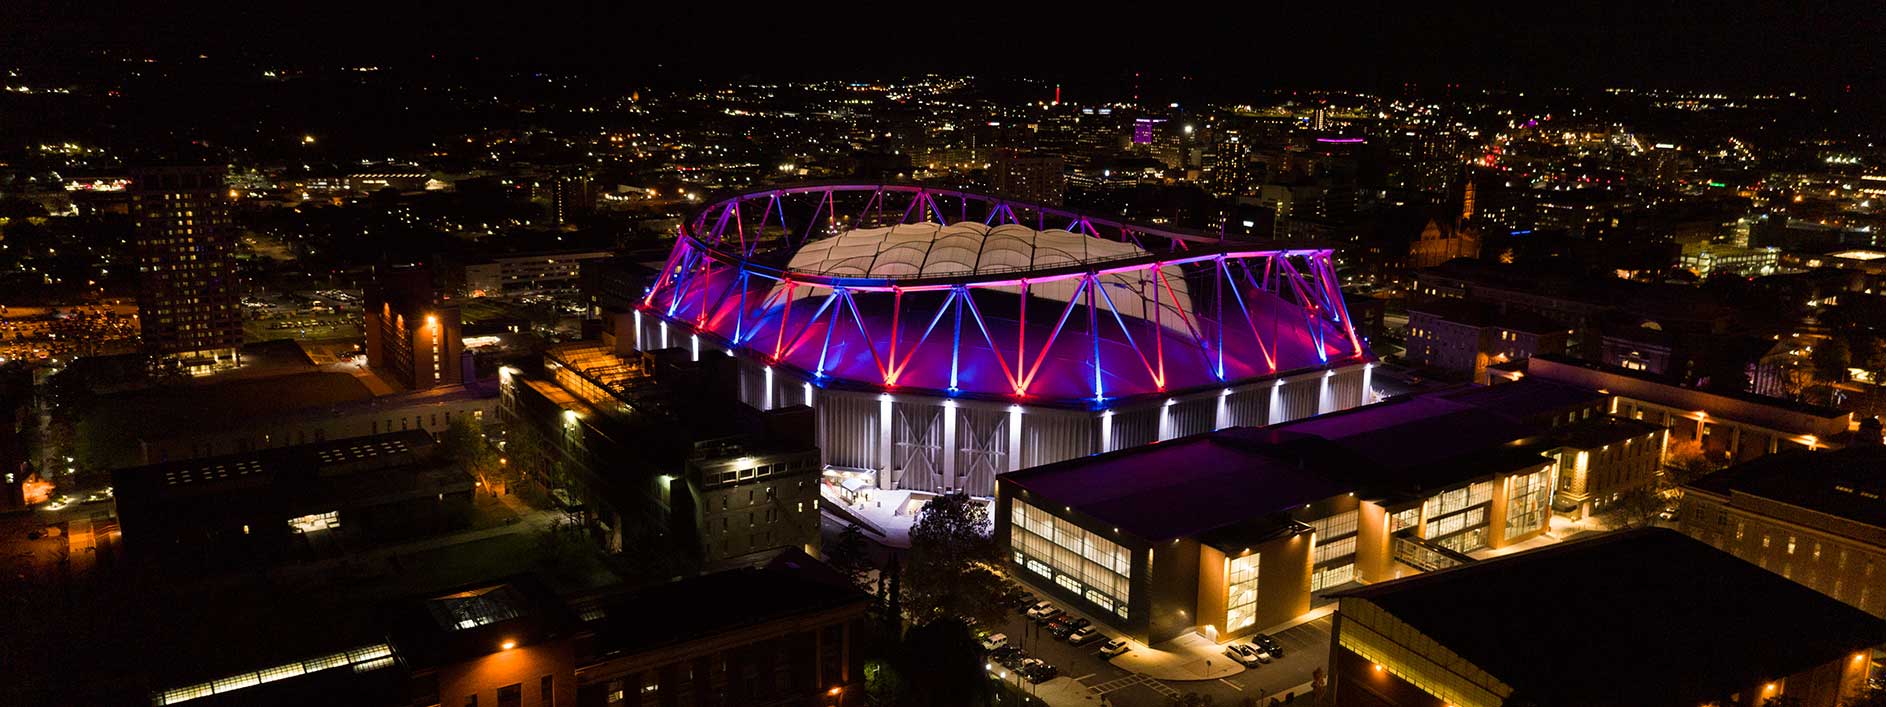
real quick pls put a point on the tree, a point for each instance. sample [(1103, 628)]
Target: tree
[(1869, 698), (561, 548), (850, 554), (942, 666), (1686, 462), (952, 563), (1831, 359), (1639, 506), (463, 441)]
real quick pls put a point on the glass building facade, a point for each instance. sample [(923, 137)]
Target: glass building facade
[(1081, 562)]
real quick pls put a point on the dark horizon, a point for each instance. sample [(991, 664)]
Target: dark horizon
[(1825, 47)]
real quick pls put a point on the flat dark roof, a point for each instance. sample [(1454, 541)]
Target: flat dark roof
[(1599, 431), (1179, 488), (1413, 432), (1526, 398), (300, 471), (699, 608), (1644, 617), (470, 621), (1849, 483), (1782, 403)]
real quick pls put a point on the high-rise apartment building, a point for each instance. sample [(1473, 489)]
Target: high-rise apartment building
[(411, 333), (187, 287), (1035, 178)]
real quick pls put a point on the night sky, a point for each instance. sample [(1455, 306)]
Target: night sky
[(1814, 46)]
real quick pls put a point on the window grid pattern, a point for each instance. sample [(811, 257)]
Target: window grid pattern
[(1526, 507), (1084, 563), (1241, 598)]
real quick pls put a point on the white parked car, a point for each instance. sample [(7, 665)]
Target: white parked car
[(994, 641)]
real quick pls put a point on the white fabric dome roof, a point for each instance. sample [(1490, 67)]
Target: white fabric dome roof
[(930, 250)]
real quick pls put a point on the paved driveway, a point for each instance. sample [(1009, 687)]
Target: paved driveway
[(1306, 648)]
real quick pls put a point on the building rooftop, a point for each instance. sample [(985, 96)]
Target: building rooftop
[(1236, 483), (1849, 483), (467, 622), (1413, 432), (701, 608), (1181, 487), (1643, 613), (1600, 431), (1652, 379), (1526, 398), (307, 473)]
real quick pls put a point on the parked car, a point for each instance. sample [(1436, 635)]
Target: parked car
[(1038, 671), (1113, 648), (1270, 644), (1010, 657), (1025, 600), (1049, 616), (1083, 636), (994, 641), (1067, 626), (1039, 608), (1243, 654), (1262, 653), (1006, 654)]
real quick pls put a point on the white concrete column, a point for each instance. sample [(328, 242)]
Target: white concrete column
[(1014, 437), (1106, 431), (885, 411), (1223, 417), (1368, 377), (948, 443), (638, 330), (1276, 413), (766, 399)]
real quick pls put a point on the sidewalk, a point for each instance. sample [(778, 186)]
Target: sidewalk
[(1188, 657), (1059, 692)]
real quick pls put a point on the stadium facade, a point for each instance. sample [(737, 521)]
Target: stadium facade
[(947, 337)]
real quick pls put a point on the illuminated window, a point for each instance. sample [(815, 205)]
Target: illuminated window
[(317, 521), (1241, 593)]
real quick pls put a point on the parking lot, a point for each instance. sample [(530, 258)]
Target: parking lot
[(1306, 648)]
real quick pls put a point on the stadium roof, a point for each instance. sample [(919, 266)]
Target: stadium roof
[(1639, 613), (967, 248)]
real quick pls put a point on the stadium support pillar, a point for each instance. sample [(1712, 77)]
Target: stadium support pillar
[(885, 409), (948, 443), (1014, 437)]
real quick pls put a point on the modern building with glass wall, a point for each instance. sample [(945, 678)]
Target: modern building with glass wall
[(1231, 532)]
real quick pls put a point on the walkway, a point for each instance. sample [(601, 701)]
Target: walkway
[(1188, 657)]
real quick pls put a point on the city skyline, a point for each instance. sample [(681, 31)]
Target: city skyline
[(427, 355)]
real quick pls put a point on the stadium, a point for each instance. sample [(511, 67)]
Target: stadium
[(946, 337)]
